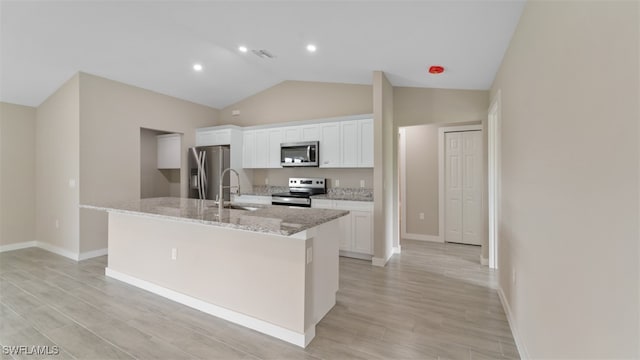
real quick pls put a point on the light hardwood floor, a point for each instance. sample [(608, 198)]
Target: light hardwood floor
[(432, 301)]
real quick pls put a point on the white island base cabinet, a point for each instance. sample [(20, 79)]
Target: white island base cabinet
[(278, 285)]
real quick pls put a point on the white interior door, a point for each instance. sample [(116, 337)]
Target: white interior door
[(453, 187), (463, 187)]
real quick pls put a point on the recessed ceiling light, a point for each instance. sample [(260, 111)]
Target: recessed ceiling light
[(243, 49), (311, 48), (436, 69), (197, 67)]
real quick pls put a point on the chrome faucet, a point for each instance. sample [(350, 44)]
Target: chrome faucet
[(222, 187)]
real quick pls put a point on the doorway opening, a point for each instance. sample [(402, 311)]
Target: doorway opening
[(421, 180)]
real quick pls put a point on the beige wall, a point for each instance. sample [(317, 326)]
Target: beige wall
[(444, 107), (349, 178), (17, 173), (112, 114), (57, 166), (569, 219), (153, 181), (418, 106), (422, 177), (384, 208), (300, 100)]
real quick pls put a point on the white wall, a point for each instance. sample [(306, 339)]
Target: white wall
[(17, 174), (570, 181)]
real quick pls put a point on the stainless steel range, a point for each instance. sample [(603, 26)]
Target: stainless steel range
[(300, 192)]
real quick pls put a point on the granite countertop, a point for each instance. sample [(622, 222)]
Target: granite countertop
[(349, 197), (270, 219)]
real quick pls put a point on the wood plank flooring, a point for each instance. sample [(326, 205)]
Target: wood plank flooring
[(433, 301)]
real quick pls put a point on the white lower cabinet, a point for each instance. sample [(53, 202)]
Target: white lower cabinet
[(357, 231)]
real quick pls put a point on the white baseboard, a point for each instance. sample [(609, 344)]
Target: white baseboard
[(57, 250), (512, 324), (54, 249), (264, 327), (355, 255), (91, 254), (421, 237), (17, 246), (375, 261), (397, 249), (484, 261)]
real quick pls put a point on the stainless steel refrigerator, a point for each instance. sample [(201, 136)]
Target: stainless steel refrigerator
[(206, 163)]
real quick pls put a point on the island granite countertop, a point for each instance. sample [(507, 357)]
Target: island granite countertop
[(271, 219)]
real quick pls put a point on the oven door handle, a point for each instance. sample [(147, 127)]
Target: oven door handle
[(290, 201)]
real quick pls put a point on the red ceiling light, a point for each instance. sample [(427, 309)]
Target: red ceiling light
[(436, 69)]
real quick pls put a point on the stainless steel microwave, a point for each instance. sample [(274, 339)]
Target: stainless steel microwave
[(304, 153)]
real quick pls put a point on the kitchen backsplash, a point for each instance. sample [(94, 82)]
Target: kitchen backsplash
[(339, 192), (347, 192)]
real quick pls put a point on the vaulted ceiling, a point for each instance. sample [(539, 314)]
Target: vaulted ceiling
[(154, 45)]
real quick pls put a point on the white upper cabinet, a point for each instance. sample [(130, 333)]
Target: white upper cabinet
[(248, 149), (310, 132), (212, 136), (343, 144), (330, 145), (292, 134), (169, 151), (350, 142), (262, 148), (356, 139), (261, 156), (366, 143), (275, 139)]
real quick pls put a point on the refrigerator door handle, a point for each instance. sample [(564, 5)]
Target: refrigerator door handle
[(204, 175)]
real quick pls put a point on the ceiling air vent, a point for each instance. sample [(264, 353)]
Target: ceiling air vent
[(265, 54)]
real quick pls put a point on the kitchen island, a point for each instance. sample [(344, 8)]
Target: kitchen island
[(273, 269)]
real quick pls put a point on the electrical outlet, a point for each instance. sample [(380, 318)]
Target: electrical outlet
[(513, 276), (309, 255), (174, 253), (266, 181), (336, 183), (235, 112), (361, 183), (421, 216), (57, 224)]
